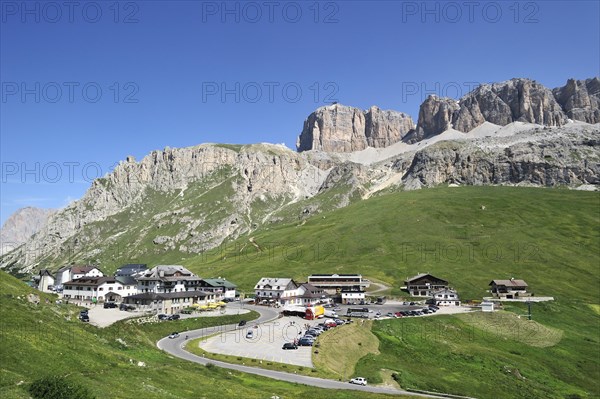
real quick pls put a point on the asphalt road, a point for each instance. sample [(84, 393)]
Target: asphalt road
[(175, 348)]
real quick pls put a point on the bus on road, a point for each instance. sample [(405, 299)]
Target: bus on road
[(358, 312)]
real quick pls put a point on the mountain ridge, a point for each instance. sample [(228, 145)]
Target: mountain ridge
[(341, 128), (190, 200)]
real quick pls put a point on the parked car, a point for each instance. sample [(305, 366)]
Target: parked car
[(331, 323), (85, 318), (250, 334), (399, 314), (174, 317), (163, 317), (359, 381), (174, 335), (305, 342), (339, 322), (124, 306), (289, 345), (390, 314), (82, 312), (110, 305), (242, 323), (337, 308)]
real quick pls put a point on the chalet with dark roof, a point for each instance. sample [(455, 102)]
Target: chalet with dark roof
[(509, 289), (424, 284)]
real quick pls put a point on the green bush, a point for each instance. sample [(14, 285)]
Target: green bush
[(58, 387)]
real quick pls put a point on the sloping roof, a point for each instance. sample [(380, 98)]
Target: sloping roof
[(421, 275), (168, 273), (45, 272), (310, 291), (82, 269), (92, 281), (169, 295), (282, 283), (219, 282), (510, 283), (126, 280), (131, 268)]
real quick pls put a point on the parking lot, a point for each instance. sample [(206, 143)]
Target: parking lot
[(394, 307), (102, 317), (266, 342)]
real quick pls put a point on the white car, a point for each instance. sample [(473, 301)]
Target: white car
[(250, 334), (359, 381), (174, 335)]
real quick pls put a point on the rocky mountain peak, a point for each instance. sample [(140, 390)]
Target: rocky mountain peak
[(21, 225), (580, 99), (340, 128)]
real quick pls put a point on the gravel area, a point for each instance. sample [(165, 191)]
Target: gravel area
[(266, 342)]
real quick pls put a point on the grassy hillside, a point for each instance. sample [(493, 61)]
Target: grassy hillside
[(549, 237), (43, 339), (469, 236)]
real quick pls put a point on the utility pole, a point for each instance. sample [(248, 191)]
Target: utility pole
[(529, 309)]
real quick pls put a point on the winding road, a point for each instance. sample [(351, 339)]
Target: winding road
[(175, 348)]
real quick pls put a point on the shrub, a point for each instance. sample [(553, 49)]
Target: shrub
[(58, 387)]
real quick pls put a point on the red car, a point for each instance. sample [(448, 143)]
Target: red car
[(398, 314)]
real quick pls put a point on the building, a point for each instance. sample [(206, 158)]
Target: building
[(164, 279), (85, 271), (446, 297), (102, 289), (132, 269), (73, 272), (509, 289), (279, 291), (487, 306), (308, 295), (62, 276), (45, 281), (219, 286), (169, 303), (424, 284), (337, 283), (352, 298)]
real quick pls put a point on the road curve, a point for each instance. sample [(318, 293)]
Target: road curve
[(175, 348)]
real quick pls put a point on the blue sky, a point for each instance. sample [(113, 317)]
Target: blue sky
[(84, 84)]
